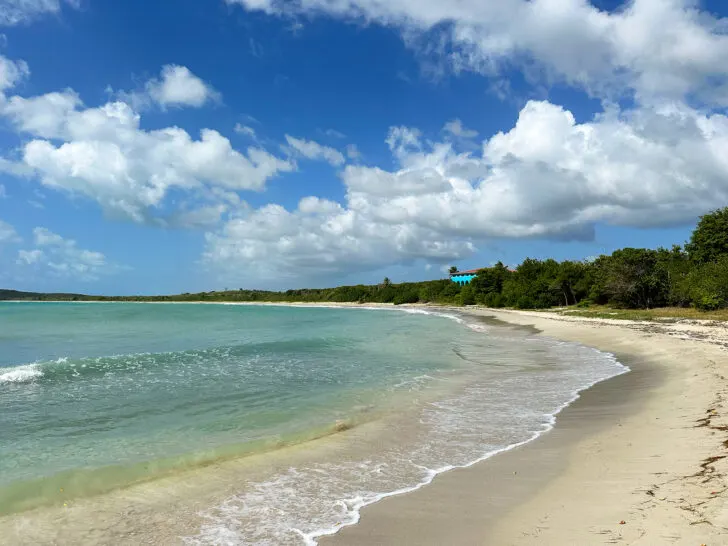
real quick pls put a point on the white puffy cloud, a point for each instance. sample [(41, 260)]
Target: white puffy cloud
[(61, 257), (180, 87), (176, 87), (8, 233), (319, 237), (103, 154), (13, 12), (548, 176), (313, 150), (45, 116), (657, 48)]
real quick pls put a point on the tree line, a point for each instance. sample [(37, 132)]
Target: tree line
[(695, 275)]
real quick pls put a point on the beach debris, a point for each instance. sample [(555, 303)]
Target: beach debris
[(622, 522)]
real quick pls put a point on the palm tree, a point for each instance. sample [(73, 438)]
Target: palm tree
[(453, 270)]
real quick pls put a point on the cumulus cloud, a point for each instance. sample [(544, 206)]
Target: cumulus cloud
[(656, 48), (103, 154), (176, 87), (319, 237), (13, 12), (548, 176), (180, 87), (61, 257), (313, 150)]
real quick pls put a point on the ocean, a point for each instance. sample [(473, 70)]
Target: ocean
[(96, 397)]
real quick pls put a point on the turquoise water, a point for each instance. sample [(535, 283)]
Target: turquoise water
[(91, 386), (97, 396)]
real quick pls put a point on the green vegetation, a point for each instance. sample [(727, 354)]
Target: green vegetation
[(693, 280), (41, 296), (441, 291), (709, 240)]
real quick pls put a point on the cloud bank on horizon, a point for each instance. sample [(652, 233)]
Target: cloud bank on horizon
[(653, 154)]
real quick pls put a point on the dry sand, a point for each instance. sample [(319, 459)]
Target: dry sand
[(638, 459)]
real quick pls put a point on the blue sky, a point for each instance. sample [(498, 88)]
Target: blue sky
[(279, 144)]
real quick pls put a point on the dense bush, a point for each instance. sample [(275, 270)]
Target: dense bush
[(707, 285), (407, 297)]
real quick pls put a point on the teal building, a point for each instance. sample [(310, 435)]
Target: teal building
[(463, 277)]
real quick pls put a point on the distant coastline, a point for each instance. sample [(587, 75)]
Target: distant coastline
[(694, 277)]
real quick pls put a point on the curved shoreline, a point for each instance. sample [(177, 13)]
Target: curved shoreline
[(353, 514), (597, 467), (311, 539), (97, 511)]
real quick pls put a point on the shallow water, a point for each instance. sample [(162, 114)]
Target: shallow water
[(97, 396)]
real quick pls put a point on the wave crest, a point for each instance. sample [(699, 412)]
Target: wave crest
[(21, 374)]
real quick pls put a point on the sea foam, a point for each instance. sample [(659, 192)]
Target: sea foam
[(21, 374), (28, 373), (488, 417)]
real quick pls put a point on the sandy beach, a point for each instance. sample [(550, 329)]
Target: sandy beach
[(638, 459)]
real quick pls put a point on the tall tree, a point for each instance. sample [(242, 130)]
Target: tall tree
[(709, 240), (630, 278), (568, 276)]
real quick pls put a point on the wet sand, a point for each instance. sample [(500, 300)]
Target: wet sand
[(638, 459)]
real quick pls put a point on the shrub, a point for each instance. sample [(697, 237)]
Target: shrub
[(407, 297), (709, 302), (708, 285), (525, 302), (466, 296)]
